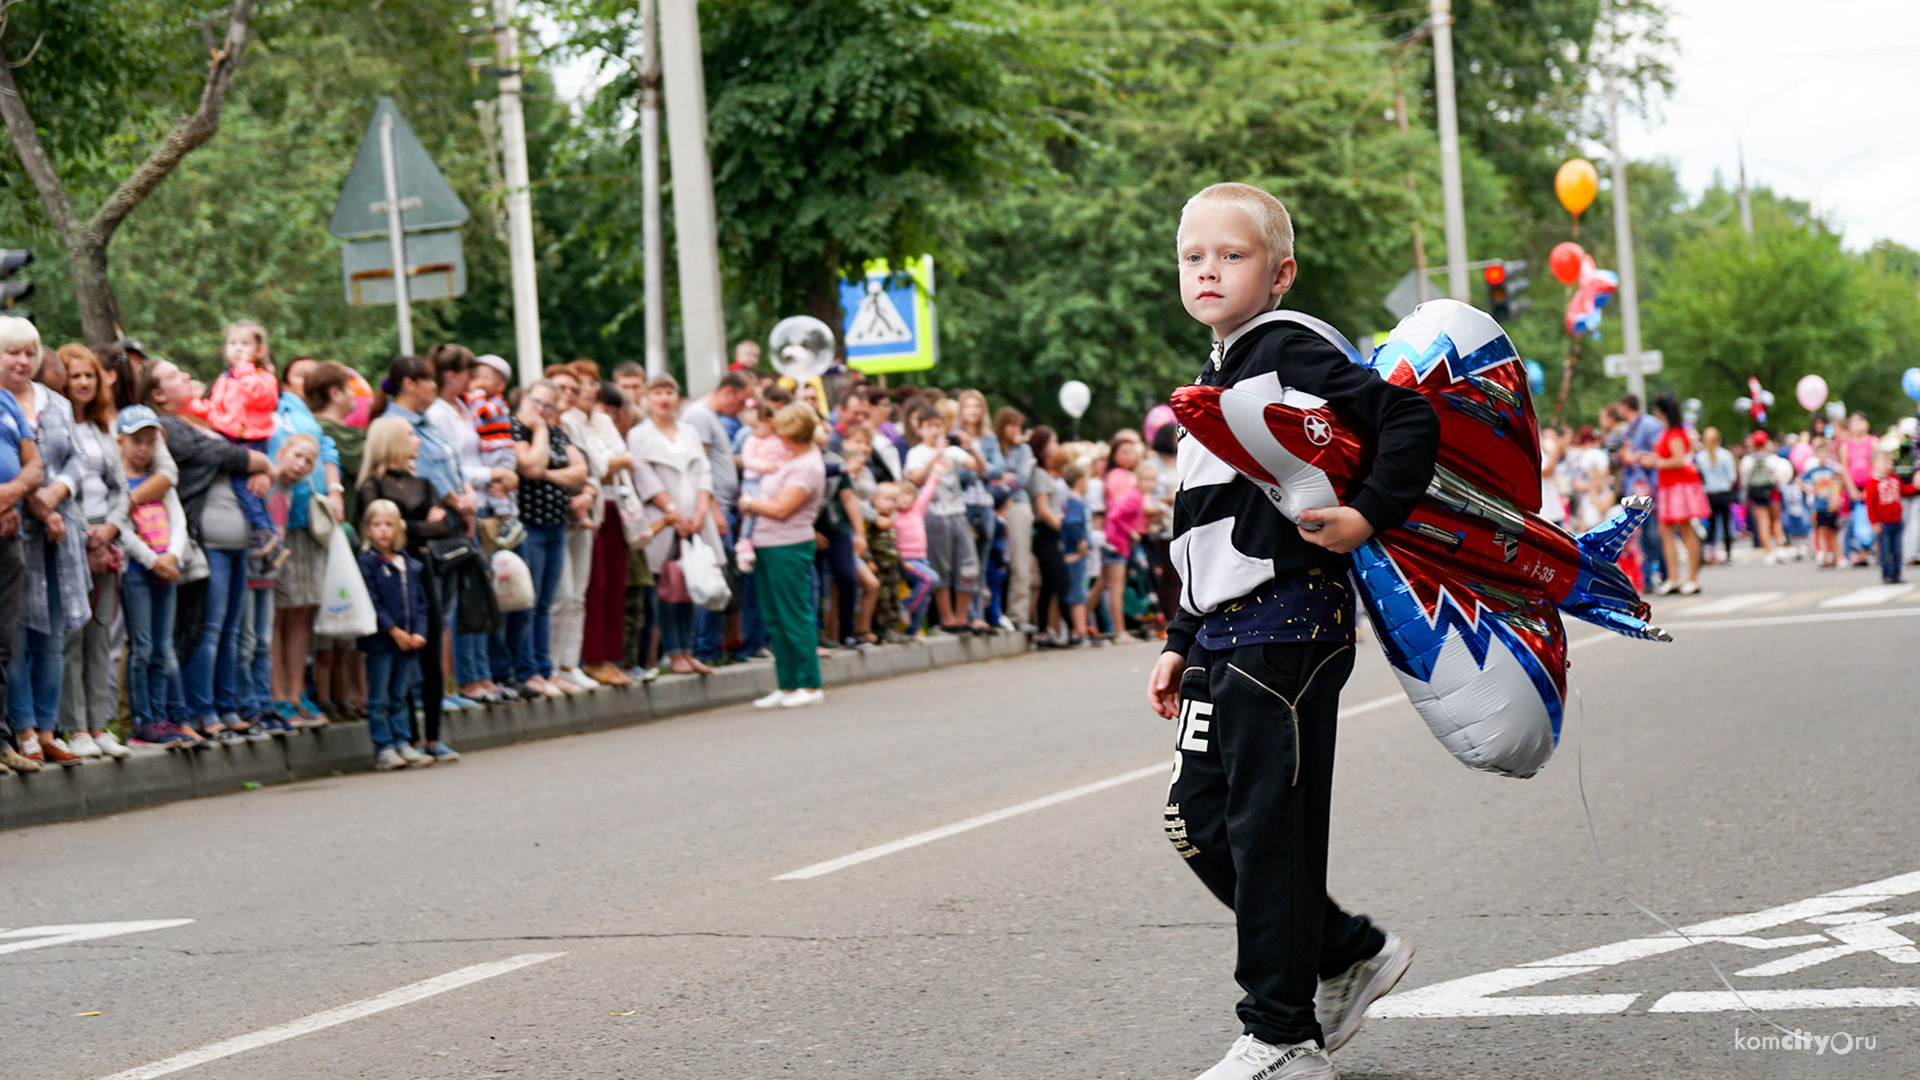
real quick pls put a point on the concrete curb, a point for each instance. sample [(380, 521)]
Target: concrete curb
[(106, 786)]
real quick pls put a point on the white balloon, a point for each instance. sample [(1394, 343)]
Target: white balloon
[(1741, 404), (1766, 398), (1075, 396), (802, 347)]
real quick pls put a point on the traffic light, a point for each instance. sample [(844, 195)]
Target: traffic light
[(1504, 286), (13, 291)]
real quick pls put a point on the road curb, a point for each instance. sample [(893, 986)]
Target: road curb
[(104, 786)]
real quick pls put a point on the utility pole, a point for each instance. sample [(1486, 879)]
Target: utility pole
[(513, 139), (1746, 204), (702, 320), (1452, 203), (655, 287), (396, 238), (1623, 243)]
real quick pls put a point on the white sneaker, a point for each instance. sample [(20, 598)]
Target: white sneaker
[(388, 760), (581, 679), (803, 697), (82, 745), (412, 756), (1340, 1004), (770, 700), (1251, 1059), (111, 746)]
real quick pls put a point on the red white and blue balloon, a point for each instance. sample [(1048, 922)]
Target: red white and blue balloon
[(1467, 594)]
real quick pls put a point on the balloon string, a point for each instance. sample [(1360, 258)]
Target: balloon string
[(1620, 880)]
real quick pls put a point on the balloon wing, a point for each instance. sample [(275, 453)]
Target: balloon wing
[(1467, 595)]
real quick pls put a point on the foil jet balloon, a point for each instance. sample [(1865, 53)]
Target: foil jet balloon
[(1467, 594)]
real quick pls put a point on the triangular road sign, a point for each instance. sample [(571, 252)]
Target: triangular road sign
[(426, 200)]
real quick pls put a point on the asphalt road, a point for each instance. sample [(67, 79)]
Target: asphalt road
[(606, 905)]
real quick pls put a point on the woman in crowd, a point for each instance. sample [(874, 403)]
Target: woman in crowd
[(339, 669), (1682, 498), (680, 467), (970, 433), (92, 695), (1126, 523), (598, 441), (552, 472), (408, 391), (296, 588), (388, 470), (52, 532), (207, 624), (1043, 486), (452, 418), (1009, 434), (1718, 475), (600, 645), (783, 550)]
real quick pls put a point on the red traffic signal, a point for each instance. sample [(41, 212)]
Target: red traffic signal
[(1494, 274)]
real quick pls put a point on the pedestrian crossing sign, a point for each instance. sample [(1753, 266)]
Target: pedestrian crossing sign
[(887, 318)]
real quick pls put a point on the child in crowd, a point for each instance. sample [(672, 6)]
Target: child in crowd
[(1826, 493), (1883, 495), (493, 422), (910, 533), (951, 554), (393, 650), (760, 454), (1076, 546), (883, 554), (240, 405), (295, 455), (153, 536)]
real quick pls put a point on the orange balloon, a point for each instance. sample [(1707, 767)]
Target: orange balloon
[(1575, 185)]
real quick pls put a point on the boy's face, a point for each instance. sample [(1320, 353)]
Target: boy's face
[(296, 461), (137, 448), (933, 432), (1227, 277), (487, 381)]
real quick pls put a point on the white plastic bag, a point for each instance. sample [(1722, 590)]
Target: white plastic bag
[(706, 582), (512, 582), (346, 610)]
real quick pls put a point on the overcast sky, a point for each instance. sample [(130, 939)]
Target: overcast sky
[(1828, 91)]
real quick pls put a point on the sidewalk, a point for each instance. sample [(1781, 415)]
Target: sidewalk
[(151, 777)]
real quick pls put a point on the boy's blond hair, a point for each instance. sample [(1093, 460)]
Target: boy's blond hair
[(1268, 215)]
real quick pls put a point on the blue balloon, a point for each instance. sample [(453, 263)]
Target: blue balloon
[(1537, 376), (1910, 382)]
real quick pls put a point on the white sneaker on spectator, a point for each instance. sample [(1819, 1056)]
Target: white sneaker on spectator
[(413, 756), (111, 746), (770, 700), (1250, 1058), (82, 745), (1340, 1003), (581, 679), (799, 698), (388, 760)]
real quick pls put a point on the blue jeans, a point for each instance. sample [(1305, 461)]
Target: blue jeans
[(676, 626), (923, 580), (390, 679), (470, 664), (528, 632), (1890, 536), (33, 674), (209, 679), (153, 674), (255, 687)]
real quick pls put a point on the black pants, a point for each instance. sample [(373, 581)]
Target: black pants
[(1053, 579), (843, 569), (1248, 810), (433, 674), (13, 571), (1720, 520)]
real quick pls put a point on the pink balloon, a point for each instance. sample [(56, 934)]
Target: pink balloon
[(1811, 391), (1158, 417), (1797, 455)]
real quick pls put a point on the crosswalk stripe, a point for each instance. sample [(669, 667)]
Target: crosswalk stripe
[(1728, 604), (1868, 596)]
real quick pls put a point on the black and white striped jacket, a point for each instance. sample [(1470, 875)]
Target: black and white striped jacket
[(1229, 539)]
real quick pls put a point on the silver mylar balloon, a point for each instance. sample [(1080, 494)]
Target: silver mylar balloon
[(802, 347)]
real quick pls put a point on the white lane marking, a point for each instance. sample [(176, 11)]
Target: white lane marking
[(1041, 803), (1858, 997), (307, 1025), (1795, 620), (1727, 605), (39, 937), (1869, 596), (1473, 995)]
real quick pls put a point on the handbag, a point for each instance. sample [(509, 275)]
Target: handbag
[(671, 586), (320, 519), (449, 553), (633, 513), (477, 608)]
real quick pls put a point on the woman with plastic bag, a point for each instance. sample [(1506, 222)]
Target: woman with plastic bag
[(680, 465), (783, 544)]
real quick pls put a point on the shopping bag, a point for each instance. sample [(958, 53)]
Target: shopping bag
[(706, 582), (512, 582), (633, 513), (346, 610), (1862, 528)]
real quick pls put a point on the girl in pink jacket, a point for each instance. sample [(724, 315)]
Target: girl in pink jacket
[(240, 405)]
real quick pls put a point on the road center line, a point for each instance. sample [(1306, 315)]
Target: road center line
[(1158, 769), (306, 1025), (1791, 620)]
